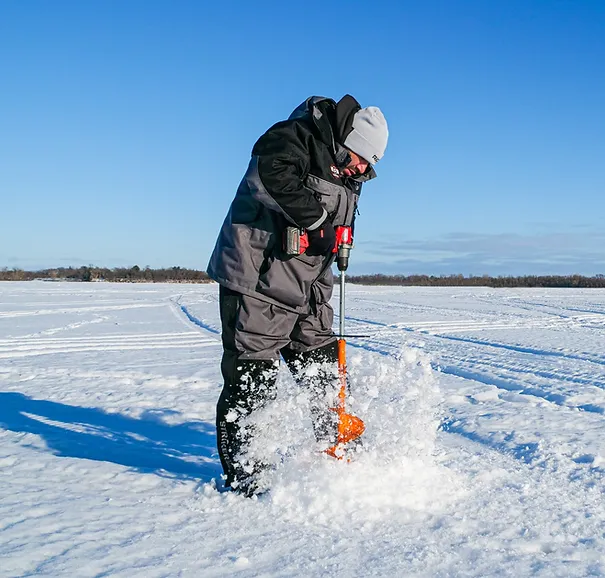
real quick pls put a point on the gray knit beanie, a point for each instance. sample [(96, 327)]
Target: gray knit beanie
[(370, 134)]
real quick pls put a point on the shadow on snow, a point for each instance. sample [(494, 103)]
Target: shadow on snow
[(147, 444)]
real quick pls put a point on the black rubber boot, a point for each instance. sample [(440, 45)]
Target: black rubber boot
[(248, 386), (321, 383)]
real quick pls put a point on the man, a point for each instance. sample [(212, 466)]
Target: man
[(305, 176)]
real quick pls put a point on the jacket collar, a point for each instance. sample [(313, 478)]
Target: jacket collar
[(323, 112)]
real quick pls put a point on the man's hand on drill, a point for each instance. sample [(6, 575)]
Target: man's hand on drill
[(321, 240)]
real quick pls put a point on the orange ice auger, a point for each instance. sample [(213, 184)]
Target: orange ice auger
[(350, 427)]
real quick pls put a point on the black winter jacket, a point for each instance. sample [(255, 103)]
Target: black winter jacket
[(293, 179)]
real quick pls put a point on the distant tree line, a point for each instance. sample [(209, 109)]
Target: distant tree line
[(182, 275), (119, 274), (577, 281)]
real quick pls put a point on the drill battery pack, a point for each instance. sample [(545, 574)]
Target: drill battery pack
[(295, 241)]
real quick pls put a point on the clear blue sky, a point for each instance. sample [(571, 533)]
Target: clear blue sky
[(125, 126)]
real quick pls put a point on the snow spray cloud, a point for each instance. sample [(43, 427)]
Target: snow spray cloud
[(395, 470)]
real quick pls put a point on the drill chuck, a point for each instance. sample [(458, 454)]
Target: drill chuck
[(342, 258)]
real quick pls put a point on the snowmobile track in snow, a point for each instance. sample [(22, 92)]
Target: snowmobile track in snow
[(13, 348)]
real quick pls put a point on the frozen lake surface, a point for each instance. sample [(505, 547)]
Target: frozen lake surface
[(484, 453)]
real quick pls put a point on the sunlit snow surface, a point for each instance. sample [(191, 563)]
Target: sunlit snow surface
[(484, 453)]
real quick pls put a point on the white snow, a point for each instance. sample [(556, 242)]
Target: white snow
[(484, 452)]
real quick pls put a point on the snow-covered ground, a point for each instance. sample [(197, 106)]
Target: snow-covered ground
[(484, 453)]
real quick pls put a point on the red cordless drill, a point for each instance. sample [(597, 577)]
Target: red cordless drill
[(343, 246)]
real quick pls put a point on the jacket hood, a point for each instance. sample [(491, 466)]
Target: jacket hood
[(319, 109), (330, 117)]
